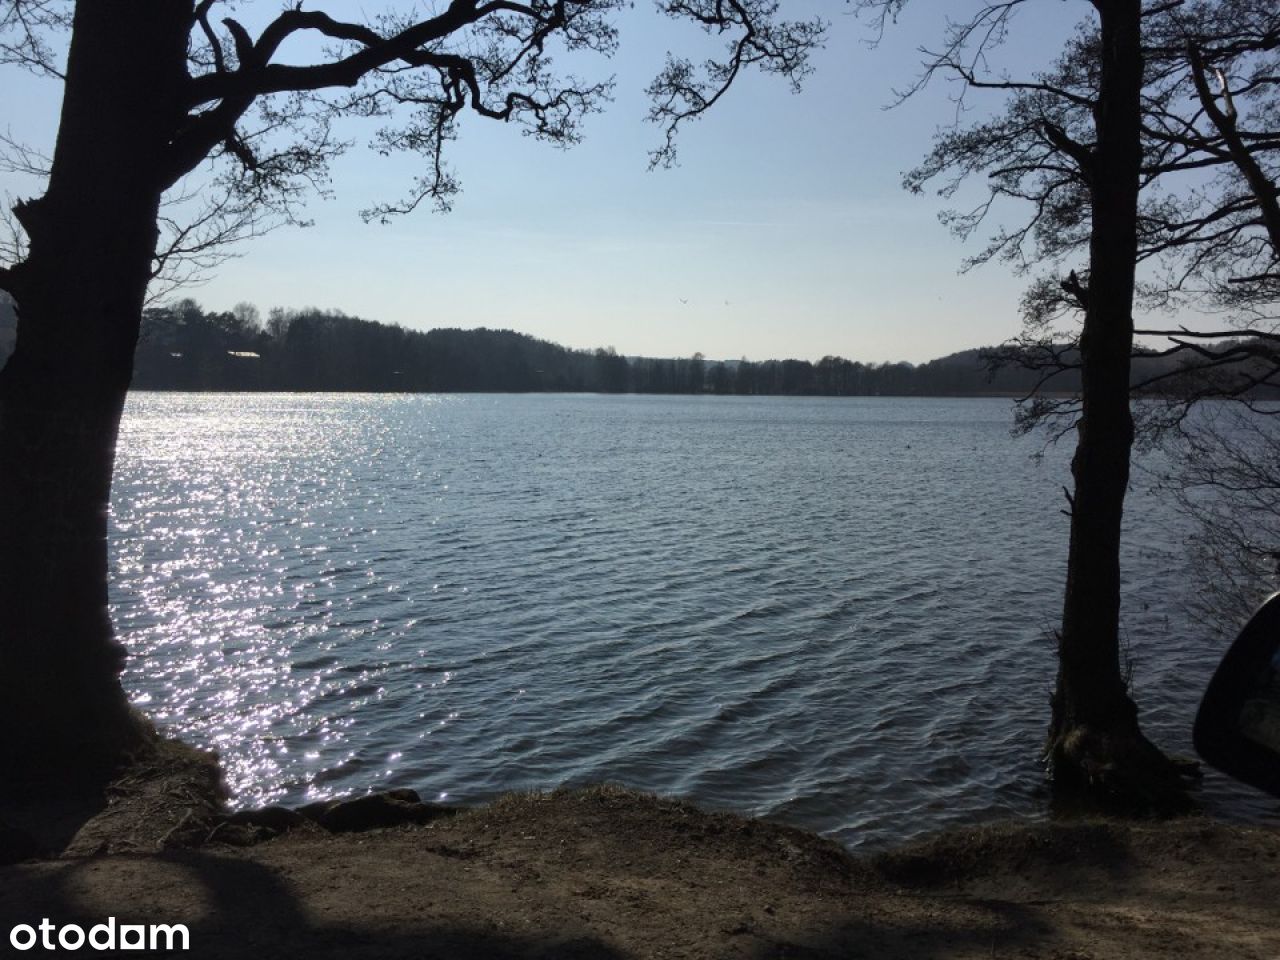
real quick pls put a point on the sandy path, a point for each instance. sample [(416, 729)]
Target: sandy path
[(609, 874)]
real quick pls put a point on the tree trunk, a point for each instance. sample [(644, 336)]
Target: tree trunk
[(79, 294), (1094, 737)]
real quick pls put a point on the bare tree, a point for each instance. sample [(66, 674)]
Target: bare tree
[(1129, 161), (1107, 150), (152, 91), (1209, 238)]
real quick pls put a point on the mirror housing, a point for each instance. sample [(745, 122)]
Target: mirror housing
[(1237, 728)]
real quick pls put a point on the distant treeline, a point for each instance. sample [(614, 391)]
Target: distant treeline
[(184, 348)]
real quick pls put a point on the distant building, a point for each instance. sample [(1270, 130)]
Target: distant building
[(8, 327)]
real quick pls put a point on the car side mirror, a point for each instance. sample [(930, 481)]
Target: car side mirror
[(1238, 726)]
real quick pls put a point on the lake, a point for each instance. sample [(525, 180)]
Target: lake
[(831, 612)]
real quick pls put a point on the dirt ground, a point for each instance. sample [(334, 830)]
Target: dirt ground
[(609, 873)]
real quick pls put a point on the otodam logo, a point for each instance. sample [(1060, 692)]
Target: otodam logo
[(107, 935)]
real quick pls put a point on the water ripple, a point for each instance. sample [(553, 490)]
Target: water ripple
[(830, 612)]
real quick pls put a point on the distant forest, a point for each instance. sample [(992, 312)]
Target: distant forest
[(182, 347)]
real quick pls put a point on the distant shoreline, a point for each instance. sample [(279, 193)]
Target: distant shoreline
[(183, 348), (994, 395)]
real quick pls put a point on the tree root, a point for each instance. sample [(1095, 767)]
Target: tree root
[(1119, 774)]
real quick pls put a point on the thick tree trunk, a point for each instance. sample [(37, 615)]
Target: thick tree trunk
[(1094, 739), (80, 294)]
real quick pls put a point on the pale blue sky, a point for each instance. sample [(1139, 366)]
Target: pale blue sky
[(785, 226)]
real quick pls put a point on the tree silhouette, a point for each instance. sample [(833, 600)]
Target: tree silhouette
[(1078, 144), (153, 90)]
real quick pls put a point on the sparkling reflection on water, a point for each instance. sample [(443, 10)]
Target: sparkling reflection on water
[(832, 612)]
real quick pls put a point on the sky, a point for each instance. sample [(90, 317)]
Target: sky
[(784, 231)]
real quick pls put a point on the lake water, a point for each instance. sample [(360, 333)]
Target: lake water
[(832, 612)]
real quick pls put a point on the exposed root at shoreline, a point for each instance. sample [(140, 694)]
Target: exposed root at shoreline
[(1118, 775), (164, 792)]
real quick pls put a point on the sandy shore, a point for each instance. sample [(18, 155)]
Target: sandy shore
[(609, 873)]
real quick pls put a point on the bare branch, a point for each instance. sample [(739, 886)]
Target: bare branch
[(1078, 152), (23, 159), (215, 45), (683, 93), (1264, 189), (30, 33)]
